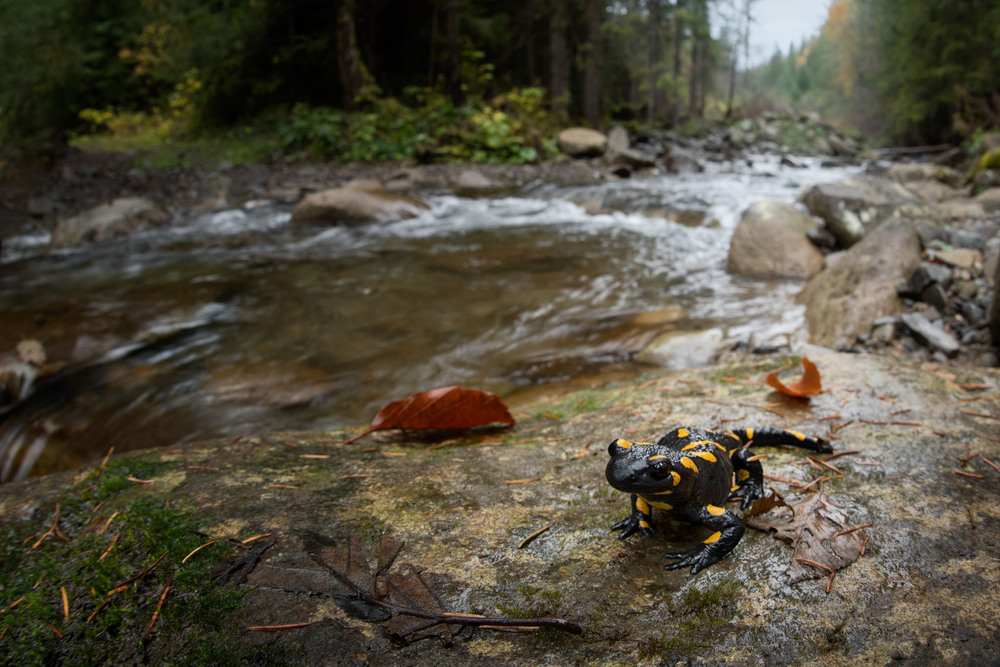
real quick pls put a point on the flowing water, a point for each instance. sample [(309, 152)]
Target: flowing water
[(235, 322)]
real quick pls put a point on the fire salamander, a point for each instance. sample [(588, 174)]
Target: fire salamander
[(692, 473)]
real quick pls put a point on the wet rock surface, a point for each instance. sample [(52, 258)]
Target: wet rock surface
[(771, 242), (922, 591)]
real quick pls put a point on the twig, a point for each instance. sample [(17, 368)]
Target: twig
[(979, 414), (159, 605), (141, 574), (969, 474), (851, 530), (196, 550), (522, 481), (278, 628), (812, 562), (48, 532), (972, 517), (529, 538)]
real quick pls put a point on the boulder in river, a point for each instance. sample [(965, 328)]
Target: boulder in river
[(770, 242), (923, 171), (358, 202), (852, 206), (845, 298), (117, 218), (582, 142)]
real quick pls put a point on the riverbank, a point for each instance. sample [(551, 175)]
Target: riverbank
[(913, 480)]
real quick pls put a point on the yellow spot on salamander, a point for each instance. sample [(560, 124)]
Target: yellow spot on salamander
[(683, 433), (719, 446), (642, 505), (644, 524), (624, 444), (796, 435), (734, 488), (676, 477), (661, 506), (715, 510), (688, 463), (663, 493), (713, 538), (658, 456), (744, 474), (708, 456), (749, 434)]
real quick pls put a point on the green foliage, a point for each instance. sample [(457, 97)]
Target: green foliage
[(507, 129)]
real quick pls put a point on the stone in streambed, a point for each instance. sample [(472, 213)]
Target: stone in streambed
[(360, 201), (771, 242)]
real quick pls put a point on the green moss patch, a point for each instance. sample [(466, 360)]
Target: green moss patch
[(101, 577)]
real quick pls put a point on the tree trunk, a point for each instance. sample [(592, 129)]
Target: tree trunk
[(678, 41), (354, 76), (655, 59), (592, 60), (559, 66), (452, 26)]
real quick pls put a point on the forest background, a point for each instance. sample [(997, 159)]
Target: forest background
[(482, 80)]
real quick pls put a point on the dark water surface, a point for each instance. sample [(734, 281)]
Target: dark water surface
[(235, 322)]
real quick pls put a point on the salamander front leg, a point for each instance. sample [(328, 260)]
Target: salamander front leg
[(640, 520)]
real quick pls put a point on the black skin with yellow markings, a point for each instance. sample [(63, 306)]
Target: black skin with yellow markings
[(690, 473)]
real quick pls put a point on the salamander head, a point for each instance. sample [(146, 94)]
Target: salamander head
[(639, 467)]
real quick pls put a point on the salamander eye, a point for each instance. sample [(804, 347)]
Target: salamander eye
[(659, 469)]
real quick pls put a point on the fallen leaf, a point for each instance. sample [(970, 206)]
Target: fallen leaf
[(447, 408), (815, 527), (808, 385)]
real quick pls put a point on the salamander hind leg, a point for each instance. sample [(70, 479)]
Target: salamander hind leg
[(749, 478), (728, 531)]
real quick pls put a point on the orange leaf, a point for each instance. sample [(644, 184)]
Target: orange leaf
[(447, 408), (808, 385)]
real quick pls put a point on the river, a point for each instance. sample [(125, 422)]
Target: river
[(234, 322)]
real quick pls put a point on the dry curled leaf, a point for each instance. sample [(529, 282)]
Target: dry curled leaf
[(400, 593), (447, 408), (816, 529), (808, 385)]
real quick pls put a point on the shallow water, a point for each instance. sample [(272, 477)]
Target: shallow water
[(235, 322)]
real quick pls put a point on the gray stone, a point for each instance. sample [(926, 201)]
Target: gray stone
[(853, 206), (682, 349), (989, 200), (963, 258), (770, 242), (581, 142), (927, 274), (935, 295), (932, 192), (845, 298), (618, 141), (634, 159), (938, 339), (995, 308), (911, 172), (972, 313), (358, 202), (101, 223), (472, 182)]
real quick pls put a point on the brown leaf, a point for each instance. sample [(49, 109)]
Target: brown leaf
[(808, 385), (812, 526), (766, 504), (447, 408)]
